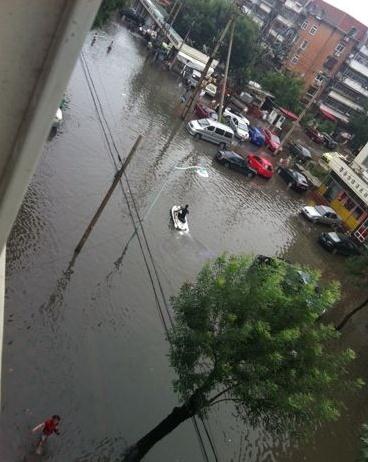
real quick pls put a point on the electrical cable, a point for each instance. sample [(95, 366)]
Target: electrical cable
[(100, 114)]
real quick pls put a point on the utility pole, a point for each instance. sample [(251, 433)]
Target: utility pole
[(181, 45), (222, 97), (302, 114), (193, 98), (105, 200)]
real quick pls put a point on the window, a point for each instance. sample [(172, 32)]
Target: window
[(303, 44), (294, 59), (228, 135), (304, 25), (340, 47), (219, 131), (313, 30), (349, 204), (358, 212), (211, 129)]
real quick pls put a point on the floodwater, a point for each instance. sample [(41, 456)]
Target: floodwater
[(89, 343)]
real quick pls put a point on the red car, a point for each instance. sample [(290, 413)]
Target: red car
[(205, 112), (261, 165), (314, 135), (272, 141)]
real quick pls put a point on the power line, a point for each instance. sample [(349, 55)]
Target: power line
[(102, 119)]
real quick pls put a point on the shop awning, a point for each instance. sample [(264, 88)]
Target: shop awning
[(327, 115), (288, 114)]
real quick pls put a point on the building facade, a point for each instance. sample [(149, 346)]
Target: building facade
[(348, 94), (322, 45), (346, 190)]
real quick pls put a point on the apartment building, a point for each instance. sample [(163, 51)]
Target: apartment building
[(322, 45), (326, 38), (348, 92)]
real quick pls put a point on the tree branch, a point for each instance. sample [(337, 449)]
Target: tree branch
[(225, 399), (218, 395), (351, 314)]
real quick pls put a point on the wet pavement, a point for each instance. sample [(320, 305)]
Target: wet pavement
[(89, 343)]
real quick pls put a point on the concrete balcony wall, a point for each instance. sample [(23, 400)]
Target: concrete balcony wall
[(350, 83), (359, 67)]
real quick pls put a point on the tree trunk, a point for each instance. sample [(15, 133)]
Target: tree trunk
[(178, 415), (351, 314)]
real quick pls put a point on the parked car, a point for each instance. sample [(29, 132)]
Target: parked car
[(228, 112), (211, 90), (339, 243), (272, 141), (328, 141), (262, 165), (131, 15), (328, 156), (205, 112), (233, 160), (300, 152), (58, 119), (314, 135), (211, 130), (239, 126), (321, 214), (256, 136), (294, 179)]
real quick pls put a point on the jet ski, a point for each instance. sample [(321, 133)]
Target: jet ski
[(179, 225)]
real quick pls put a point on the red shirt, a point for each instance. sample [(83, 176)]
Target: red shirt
[(49, 427)]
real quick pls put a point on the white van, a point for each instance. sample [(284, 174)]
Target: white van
[(211, 130)]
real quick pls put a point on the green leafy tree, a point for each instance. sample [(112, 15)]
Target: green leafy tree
[(205, 19), (287, 89), (357, 272), (359, 128), (363, 456), (246, 331), (106, 9)]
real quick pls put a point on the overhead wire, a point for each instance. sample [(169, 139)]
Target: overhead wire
[(111, 143)]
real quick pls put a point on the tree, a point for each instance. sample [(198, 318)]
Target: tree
[(363, 456), (205, 18), (107, 7), (287, 89), (246, 332), (357, 271), (358, 127)]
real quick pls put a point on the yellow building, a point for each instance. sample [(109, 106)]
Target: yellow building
[(346, 191)]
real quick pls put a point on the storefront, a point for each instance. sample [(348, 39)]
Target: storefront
[(347, 193)]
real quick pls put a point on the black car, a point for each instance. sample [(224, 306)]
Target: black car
[(131, 15), (339, 243), (294, 179), (300, 152), (329, 142), (233, 160)]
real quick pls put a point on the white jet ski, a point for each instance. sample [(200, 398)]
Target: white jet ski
[(179, 225)]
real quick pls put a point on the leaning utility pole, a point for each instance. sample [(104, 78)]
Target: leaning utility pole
[(193, 98), (181, 45), (302, 114), (105, 200), (222, 97)]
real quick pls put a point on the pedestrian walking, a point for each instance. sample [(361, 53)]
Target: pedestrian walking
[(94, 39), (48, 427), (109, 48)]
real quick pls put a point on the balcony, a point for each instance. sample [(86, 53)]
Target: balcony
[(359, 67), (286, 22), (277, 34), (339, 115), (294, 6), (264, 7), (344, 100), (364, 50), (257, 20), (356, 86)]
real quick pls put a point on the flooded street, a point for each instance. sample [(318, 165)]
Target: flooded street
[(90, 344)]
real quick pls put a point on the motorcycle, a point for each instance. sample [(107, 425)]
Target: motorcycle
[(178, 224)]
